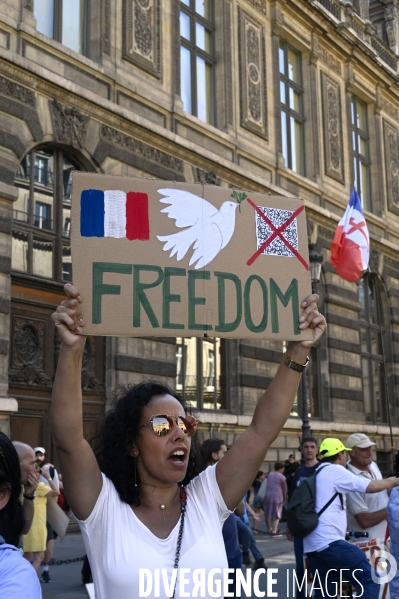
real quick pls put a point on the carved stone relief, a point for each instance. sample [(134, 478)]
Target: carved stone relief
[(374, 260), (106, 42), (17, 92), (309, 228), (389, 109), (27, 352), (142, 34), (330, 60), (139, 147), (70, 126), (392, 166), (391, 263), (89, 380), (259, 5), (391, 25), (325, 233), (206, 177), (332, 128), (252, 75)]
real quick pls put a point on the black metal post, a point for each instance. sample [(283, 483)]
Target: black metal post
[(304, 391), (305, 411)]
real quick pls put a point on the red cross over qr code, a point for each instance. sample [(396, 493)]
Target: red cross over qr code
[(278, 217)]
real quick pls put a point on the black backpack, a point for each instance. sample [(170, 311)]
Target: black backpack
[(300, 512)]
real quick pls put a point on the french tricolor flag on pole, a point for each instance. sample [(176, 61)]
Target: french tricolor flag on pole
[(350, 248), (114, 213)]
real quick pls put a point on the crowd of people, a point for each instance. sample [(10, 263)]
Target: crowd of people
[(148, 495)]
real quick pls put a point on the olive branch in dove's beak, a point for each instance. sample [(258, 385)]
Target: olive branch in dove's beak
[(239, 196)]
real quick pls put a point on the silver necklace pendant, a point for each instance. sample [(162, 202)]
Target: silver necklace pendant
[(162, 506)]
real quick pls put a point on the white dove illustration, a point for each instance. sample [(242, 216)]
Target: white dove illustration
[(209, 229)]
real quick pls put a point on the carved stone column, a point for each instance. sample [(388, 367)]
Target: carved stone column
[(8, 405), (379, 201), (348, 99), (392, 24), (315, 125), (276, 28)]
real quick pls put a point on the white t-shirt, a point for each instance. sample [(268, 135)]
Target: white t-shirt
[(331, 479), (118, 544), (359, 503)]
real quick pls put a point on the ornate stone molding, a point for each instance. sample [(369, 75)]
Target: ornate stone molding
[(139, 147), (17, 92), (206, 177), (391, 263), (259, 5), (325, 233), (142, 34), (106, 42), (330, 60), (27, 351), (70, 125), (29, 375), (389, 109), (309, 228), (332, 128), (374, 260), (252, 61), (392, 166)]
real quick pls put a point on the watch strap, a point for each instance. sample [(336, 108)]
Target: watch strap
[(30, 497), (294, 365)]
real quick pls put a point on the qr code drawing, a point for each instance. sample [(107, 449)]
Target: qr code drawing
[(263, 231)]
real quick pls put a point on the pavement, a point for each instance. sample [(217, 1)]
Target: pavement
[(66, 577)]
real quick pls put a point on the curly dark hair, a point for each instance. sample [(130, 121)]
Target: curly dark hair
[(12, 519), (119, 432)]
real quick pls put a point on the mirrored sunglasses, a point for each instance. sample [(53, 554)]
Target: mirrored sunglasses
[(162, 424)]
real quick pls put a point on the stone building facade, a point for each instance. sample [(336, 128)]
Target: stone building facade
[(291, 98)]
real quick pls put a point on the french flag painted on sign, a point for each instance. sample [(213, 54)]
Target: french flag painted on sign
[(114, 213), (350, 248)]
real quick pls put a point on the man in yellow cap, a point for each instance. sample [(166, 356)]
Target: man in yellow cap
[(331, 558)]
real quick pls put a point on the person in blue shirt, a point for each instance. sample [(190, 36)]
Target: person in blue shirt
[(17, 576)]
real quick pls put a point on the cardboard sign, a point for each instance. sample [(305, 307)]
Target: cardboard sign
[(157, 258)]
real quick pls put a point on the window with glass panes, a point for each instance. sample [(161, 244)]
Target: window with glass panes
[(63, 20), (42, 215), (372, 350), (360, 151), (291, 98), (197, 58), (201, 371)]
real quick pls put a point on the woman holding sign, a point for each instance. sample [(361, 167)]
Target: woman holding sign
[(142, 511)]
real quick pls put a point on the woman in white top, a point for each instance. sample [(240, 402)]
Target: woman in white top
[(138, 523)]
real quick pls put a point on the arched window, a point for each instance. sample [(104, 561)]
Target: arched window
[(42, 215), (372, 332)]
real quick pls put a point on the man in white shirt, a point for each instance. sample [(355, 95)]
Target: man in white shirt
[(366, 511), (331, 558)]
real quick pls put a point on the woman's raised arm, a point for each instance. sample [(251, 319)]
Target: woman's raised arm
[(241, 463), (81, 474)]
